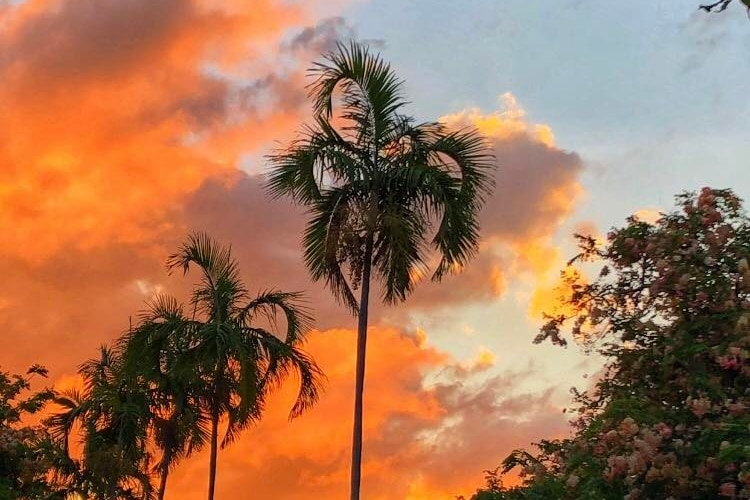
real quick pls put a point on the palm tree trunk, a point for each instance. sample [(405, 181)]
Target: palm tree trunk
[(214, 449), (163, 480), (360, 381)]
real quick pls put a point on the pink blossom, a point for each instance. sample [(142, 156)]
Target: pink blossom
[(572, 481), (728, 490), (699, 406), (729, 363), (628, 427), (611, 436), (664, 430), (736, 409)]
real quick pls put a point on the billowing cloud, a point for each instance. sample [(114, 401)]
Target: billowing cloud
[(537, 187), (431, 427), (124, 124), (114, 111), (537, 183), (115, 115)]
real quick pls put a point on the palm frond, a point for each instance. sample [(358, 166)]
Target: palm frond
[(267, 304), (320, 157), (327, 229), (221, 285), (372, 92), (399, 250), (283, 360)]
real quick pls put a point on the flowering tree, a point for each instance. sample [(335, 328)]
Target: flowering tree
[(24, 466), (670, 311)]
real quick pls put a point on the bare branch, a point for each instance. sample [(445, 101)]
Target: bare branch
[(721, 4)]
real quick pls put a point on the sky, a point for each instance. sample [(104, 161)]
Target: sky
[(127, 124)]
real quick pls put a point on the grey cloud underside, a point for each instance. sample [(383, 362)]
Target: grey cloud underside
[(528, 173)]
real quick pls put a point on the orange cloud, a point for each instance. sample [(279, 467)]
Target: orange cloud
[(537, 187), (553, 297), (423, 440), (650, 215), (114, 111), (505, 125)]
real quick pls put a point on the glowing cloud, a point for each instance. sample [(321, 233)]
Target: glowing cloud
[(650, 215), (537, 187), (130, 108), (429, 431)]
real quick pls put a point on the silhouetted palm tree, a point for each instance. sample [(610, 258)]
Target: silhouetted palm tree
[(154, 354), (385, 193), (228, 355), (113, 416)]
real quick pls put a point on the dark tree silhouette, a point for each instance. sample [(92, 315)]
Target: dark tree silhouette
[(722, 5), (227, 354)]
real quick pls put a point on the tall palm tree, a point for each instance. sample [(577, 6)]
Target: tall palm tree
[(229, 352), (385, 194)]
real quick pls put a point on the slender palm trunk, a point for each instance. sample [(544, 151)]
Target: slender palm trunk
[(360, 383), (214, 449), (164, 474)]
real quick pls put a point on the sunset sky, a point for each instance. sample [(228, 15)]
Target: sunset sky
[(125, 124)]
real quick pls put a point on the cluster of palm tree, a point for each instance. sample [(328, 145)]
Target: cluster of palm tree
[(162, 391), (387, 196)]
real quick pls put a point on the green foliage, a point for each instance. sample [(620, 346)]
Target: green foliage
[(158, 394), (24, 461), (670, 310), (111, 416), (380, 178)]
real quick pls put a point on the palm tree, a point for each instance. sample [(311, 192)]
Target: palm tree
[(154, 354), (113, 416), (226, 353), (385, 194)]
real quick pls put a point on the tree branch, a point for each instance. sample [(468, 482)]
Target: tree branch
[(721, 4)]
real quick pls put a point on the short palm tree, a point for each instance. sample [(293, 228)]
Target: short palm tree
[(221, 359), (385, 194), (154, 354), (113, 417)]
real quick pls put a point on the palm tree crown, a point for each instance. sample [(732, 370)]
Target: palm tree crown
[(113, 416), (381, 176)]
